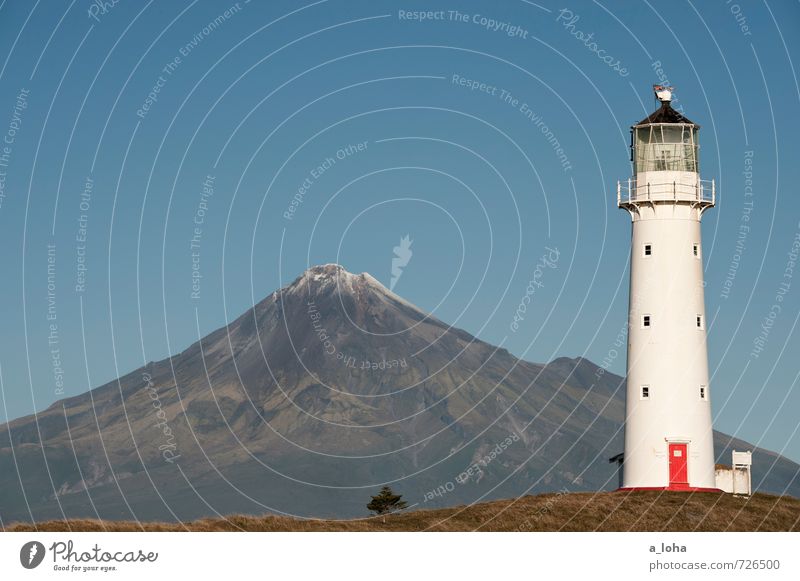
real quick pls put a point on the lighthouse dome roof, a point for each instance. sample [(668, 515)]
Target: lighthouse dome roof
[(665, 114)]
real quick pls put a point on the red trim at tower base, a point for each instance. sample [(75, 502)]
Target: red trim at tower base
[(672, 488)]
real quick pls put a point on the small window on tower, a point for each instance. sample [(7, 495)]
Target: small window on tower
[(648, 250), (645, 320), (645, 392), (703, 392), (696, 250), (699, 321)]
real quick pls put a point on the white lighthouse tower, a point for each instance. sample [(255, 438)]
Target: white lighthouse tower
[(668, 435)]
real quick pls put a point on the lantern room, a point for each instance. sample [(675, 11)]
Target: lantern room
[(665, 156), (665, 147), (664, 141)]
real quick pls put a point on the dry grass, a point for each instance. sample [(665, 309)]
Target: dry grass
[(604, 511)]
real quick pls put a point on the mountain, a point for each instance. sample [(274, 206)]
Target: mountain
[(312, 399)]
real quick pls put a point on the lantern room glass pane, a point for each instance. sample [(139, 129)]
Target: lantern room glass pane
[(665, 147)]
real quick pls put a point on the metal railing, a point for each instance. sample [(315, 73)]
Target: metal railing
[(700, 191)]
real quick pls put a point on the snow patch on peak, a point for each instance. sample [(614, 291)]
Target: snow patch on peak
[(320, 277), (335, 275), (329, 269)]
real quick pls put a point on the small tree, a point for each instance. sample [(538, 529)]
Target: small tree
[(386, 501)]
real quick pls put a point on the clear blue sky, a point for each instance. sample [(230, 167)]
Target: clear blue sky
[(264, 94)]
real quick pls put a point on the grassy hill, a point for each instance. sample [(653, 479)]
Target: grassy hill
[(602, 511)]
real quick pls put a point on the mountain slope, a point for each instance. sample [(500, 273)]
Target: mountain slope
[(309, 401)]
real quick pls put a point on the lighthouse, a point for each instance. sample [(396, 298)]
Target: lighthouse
[(668, 435)]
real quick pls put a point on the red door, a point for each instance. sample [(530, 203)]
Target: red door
[(678, 472)]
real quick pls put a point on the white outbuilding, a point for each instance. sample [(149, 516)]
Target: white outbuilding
[(736, 478)]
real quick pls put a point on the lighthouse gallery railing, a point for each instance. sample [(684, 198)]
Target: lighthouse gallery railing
[(701, 191)]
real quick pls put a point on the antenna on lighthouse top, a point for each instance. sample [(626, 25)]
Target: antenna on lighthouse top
[(663, 92)]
